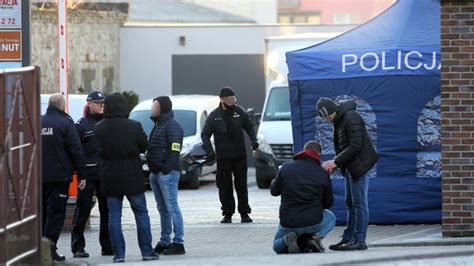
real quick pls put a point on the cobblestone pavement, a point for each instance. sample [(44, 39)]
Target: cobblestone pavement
[(209, 242)]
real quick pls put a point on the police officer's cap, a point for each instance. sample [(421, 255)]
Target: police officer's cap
[(95, 96)]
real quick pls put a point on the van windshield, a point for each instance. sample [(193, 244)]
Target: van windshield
[(278, 105), (187, 120)]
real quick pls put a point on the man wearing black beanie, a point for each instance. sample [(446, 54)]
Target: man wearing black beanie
[(163, 153), (165, 104), (227, 123), (355, 156)]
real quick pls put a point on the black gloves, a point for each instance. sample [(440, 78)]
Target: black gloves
[(211, 158), (255, 145)]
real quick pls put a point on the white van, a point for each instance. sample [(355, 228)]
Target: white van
[(76, 105), (274, 135), (191, 112)]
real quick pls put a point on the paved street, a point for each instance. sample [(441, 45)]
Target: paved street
[(210, 243)]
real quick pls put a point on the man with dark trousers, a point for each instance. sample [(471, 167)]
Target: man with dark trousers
[(227, 123), (121, 140), (85, 127), (61, 154), (355, 156)]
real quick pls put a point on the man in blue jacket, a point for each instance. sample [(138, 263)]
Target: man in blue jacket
[(306, 194), (61, 154), (163, 153)]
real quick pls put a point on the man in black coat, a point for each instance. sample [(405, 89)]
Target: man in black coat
[(85, 128), (355, 156), (306, 194), (227, 123), (61, 155), (121, 141)]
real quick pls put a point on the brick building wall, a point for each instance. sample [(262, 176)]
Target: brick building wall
[(457, 125), (94, 47)]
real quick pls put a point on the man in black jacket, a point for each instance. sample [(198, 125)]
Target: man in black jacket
[(121, 141), (85, 128), (164, 148), (355, 156), (226, 123), (306, 194), (62, 154)]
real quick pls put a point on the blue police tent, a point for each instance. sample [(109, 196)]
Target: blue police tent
[(390, 67)]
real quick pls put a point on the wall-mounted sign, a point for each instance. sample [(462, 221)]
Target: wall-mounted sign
[(14, 34), (10, 45), (10, 14)]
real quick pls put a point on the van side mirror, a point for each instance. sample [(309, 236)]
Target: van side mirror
[(251, 112), (254, 117)]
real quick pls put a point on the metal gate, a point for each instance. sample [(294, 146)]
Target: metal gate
[(20, 166)]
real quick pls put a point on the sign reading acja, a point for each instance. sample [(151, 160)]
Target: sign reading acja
[(10, 14), (372, 61)]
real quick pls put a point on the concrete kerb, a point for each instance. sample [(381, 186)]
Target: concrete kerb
[(426, 243), (405, 257), (427, 237)]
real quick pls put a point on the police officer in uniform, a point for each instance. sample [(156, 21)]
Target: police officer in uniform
[(227, 123), (85, 127), (62, 154)]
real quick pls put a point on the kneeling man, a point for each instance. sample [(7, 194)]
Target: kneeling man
[(306, 194)]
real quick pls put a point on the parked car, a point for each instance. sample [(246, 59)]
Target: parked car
[(190, 111)]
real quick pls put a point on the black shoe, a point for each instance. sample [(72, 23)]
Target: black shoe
[(153, 256), (56, 257), (354, 245), (118, 260), (245, 218), (54, 254), (174, 249), (159, 248), (80, 254), (227, 219), (107, 253), (338, 245), (290, 240), (314, 244)]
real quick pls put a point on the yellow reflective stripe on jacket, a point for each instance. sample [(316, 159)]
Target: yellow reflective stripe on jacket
[(175, 147)]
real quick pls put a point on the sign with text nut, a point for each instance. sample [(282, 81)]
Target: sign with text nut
[(10, 45)]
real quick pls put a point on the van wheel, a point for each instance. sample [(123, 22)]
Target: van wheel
[(194, 182), (263, 183), (262, 180)]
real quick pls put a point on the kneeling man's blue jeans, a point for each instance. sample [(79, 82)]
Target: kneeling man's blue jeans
[(322, 229)]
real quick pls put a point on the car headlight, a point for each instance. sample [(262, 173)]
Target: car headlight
[(263, 144)]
